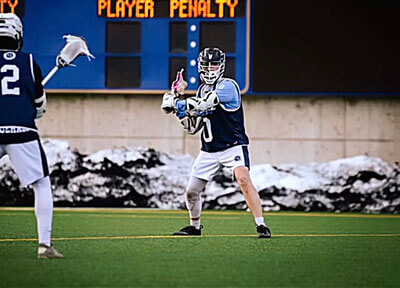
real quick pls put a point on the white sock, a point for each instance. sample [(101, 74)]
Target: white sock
[(43, 209), (260, 221), (195, 222)]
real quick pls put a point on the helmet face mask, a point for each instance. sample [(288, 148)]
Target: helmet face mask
[(11, 29), (211, 65)]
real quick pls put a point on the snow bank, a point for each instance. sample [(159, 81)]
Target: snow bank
[(143, 177)]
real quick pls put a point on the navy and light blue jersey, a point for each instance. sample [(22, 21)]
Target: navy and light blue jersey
[(20, 78), (224, 126)]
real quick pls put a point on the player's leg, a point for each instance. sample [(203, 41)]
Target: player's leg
[(242, 176), (250, 193), (44, 217), (30, 164), (238, 159), (43, 209), (205, 165), (193, 204), (193, 200)]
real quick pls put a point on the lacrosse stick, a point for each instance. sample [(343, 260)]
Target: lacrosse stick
[(177, 92), (75, 47), (179, 85)]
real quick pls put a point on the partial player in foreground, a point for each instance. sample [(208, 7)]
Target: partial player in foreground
[(217, 111), (22, 100)]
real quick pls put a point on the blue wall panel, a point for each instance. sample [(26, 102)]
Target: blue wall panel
[(46, 21)]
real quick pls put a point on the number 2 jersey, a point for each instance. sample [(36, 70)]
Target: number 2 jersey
[(224, 126), (21, 79)]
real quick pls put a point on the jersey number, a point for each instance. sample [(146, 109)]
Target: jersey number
[(207, 133), (5, 90)]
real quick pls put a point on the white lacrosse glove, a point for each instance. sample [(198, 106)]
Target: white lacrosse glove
[(191, 125), (40, 106), (200, 105), (168, 104)]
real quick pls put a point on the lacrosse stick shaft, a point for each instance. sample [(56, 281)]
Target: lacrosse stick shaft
[(51, 74)]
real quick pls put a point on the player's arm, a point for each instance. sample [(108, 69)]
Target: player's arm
[(190, 110), (192, 105), (229, 95), (40, 94), (171, 104), (226, 94)]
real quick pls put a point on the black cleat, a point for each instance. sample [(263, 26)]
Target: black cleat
[(263, 231), (189, 231)]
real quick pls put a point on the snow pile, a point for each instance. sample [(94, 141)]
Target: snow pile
[(143, 177), (359, 184)]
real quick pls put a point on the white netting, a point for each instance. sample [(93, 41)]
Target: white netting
[(76, 46)]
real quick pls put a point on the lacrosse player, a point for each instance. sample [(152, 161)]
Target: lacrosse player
[(22, 100), (216, 110)]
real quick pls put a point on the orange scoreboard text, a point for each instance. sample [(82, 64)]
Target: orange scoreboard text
[(176, 8), (8, 6)]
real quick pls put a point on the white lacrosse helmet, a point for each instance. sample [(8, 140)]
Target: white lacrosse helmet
[(211, 65), (11, 27)]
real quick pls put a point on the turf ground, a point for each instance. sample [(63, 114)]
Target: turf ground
[(132, 248)]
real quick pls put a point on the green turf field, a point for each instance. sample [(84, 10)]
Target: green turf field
[(132, 248)]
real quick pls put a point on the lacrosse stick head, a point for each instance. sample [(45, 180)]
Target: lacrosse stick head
[(179, 85), (76, 46)]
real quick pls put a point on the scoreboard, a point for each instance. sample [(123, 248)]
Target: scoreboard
[(139, 45)]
